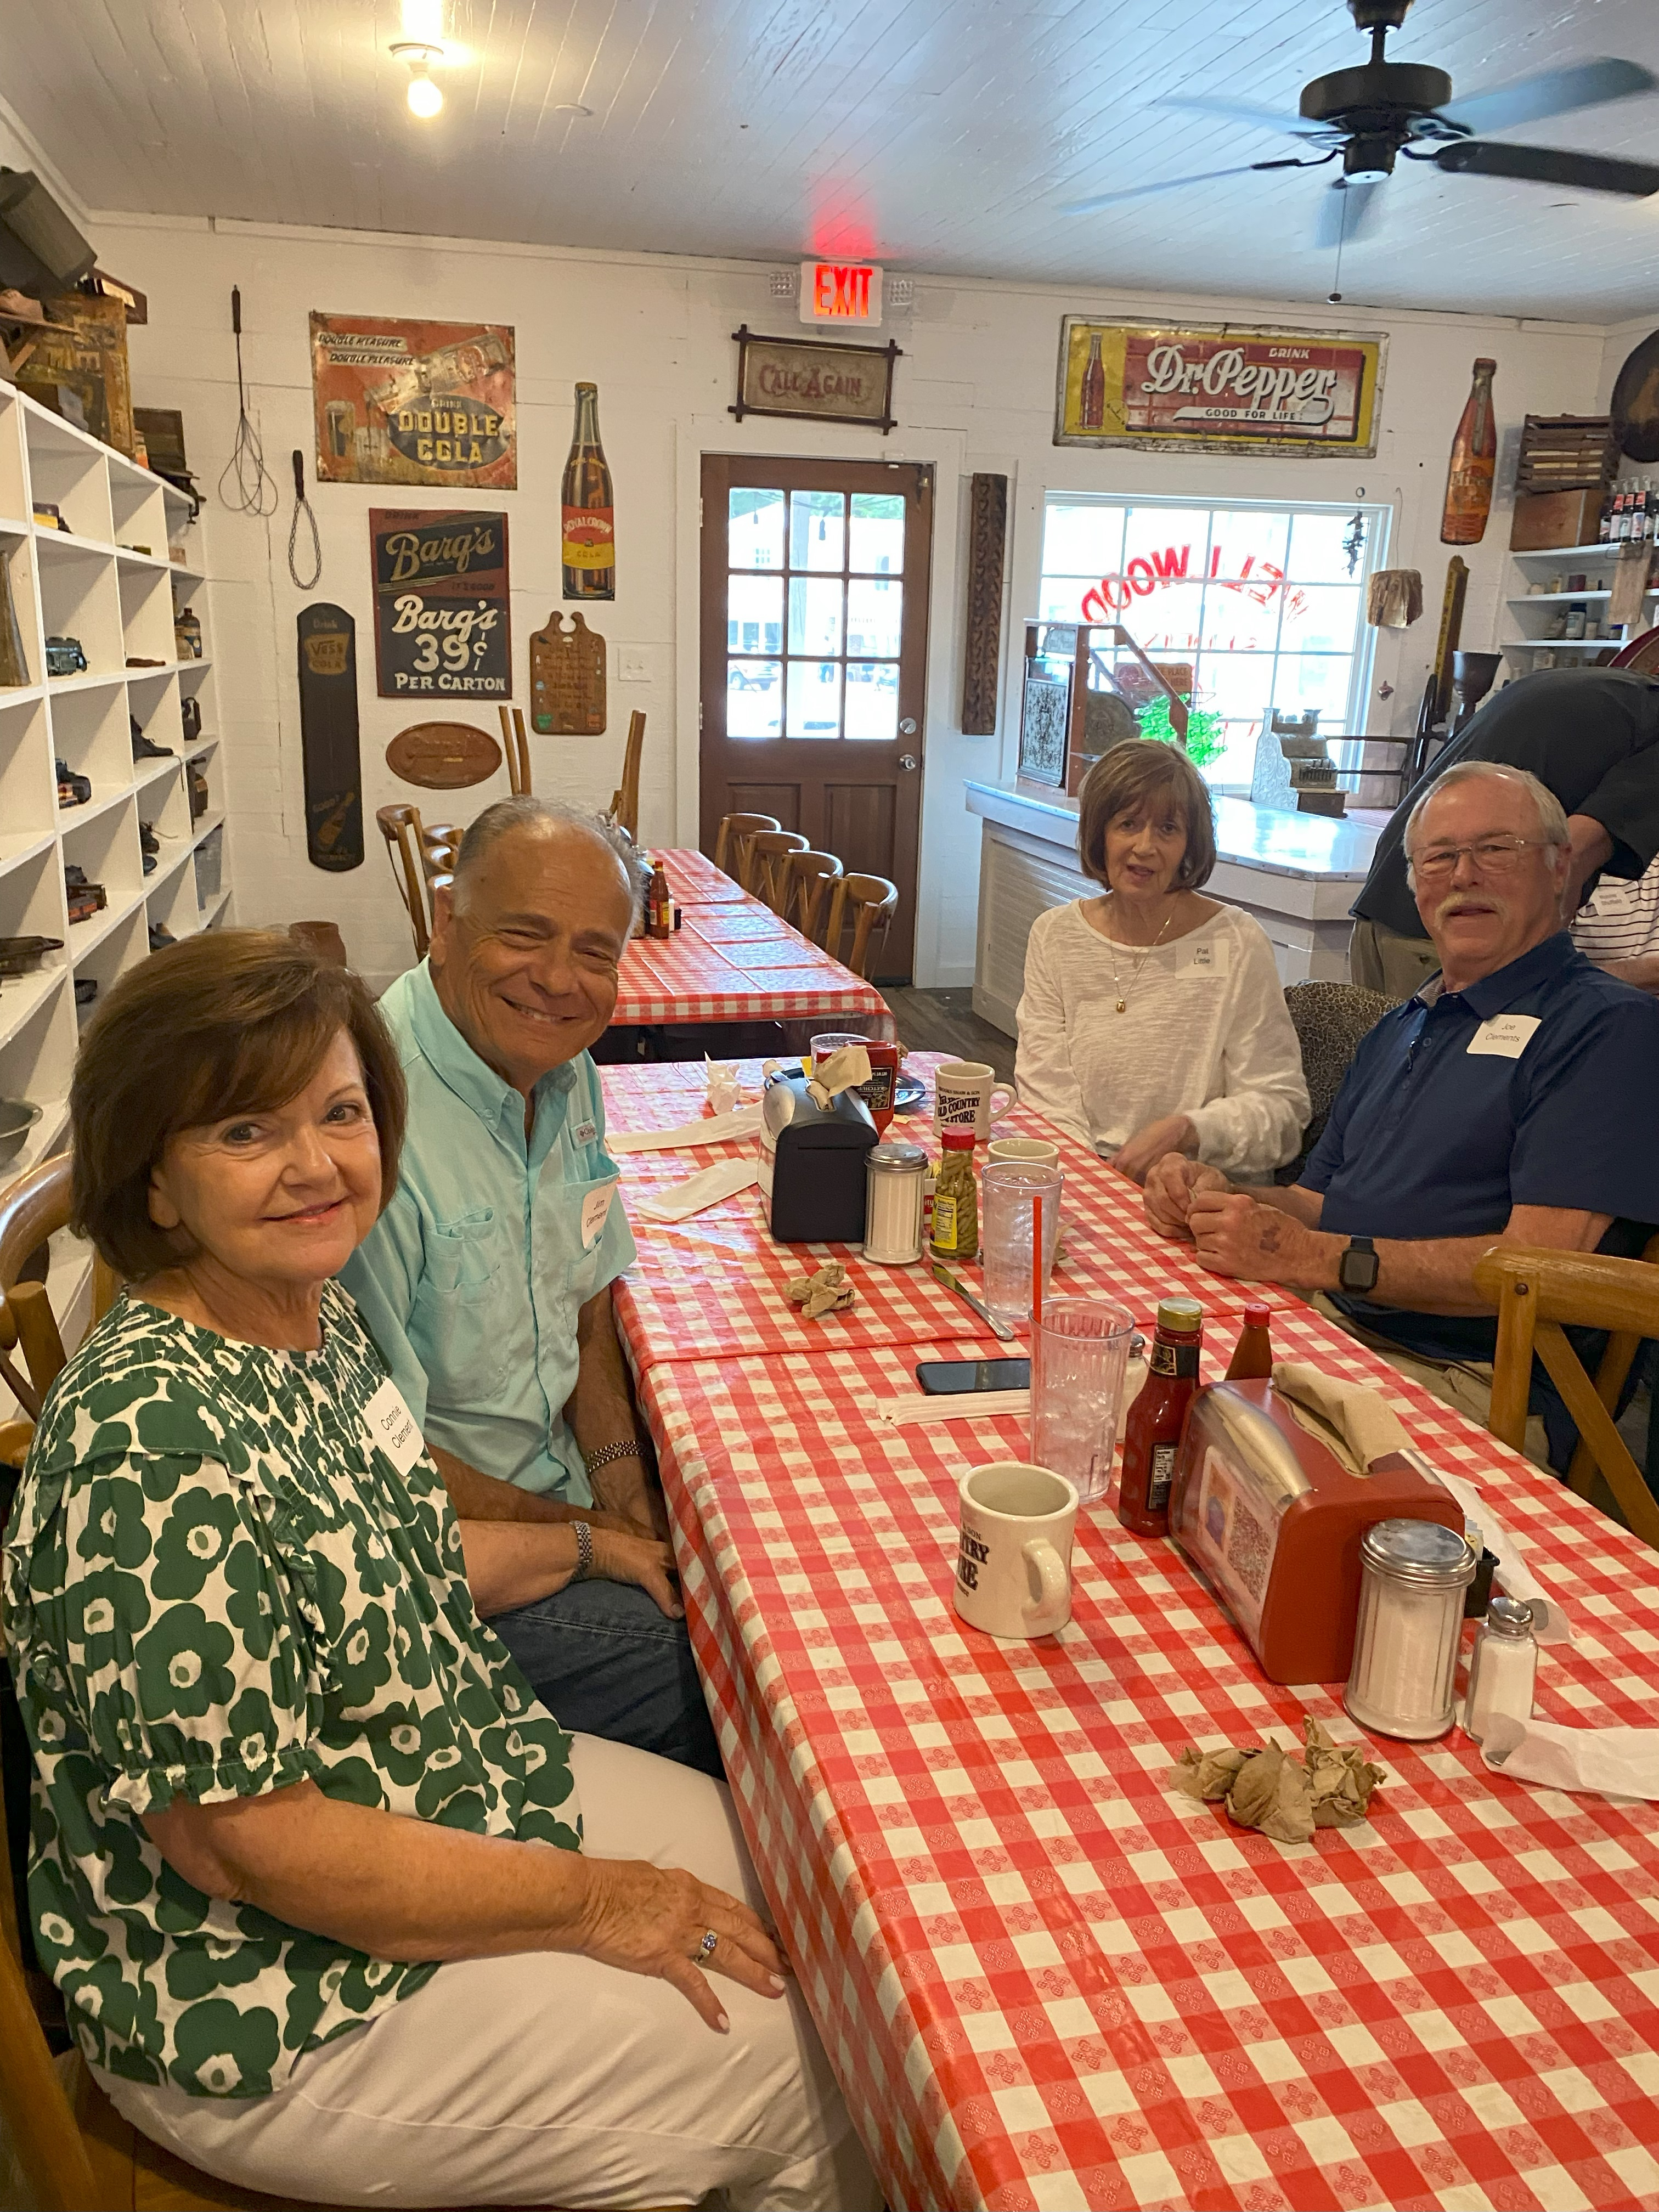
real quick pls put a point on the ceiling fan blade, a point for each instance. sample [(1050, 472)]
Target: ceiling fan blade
[(1553, 92), (1168, 185), (1242, 111), (1549, 165), (1345, 212)]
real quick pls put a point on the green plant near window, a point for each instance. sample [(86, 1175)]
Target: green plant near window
[(1205, 741)]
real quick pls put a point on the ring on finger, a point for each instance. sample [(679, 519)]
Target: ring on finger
[(706, 1948)]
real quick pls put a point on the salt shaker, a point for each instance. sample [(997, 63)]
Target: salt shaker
[(1503, 1667), (1413, 1577), (896, 1177)]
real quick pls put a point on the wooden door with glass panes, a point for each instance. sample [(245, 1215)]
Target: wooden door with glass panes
[(814, 661)]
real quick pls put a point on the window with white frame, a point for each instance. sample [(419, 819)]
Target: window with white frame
[(1266, 602)]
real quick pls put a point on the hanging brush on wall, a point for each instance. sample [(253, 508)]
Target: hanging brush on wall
[(245, 471), (302, 507)]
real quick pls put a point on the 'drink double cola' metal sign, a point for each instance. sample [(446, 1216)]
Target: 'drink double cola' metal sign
[(441, 624)]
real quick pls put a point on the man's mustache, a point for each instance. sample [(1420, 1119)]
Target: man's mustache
[(1456, 901)]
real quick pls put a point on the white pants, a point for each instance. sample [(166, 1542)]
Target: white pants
[(544, 2078)]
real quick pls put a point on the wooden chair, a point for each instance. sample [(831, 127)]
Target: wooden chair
[(762, 870), (805, 878), (516, 745), (872, 899), (731, 844), (32, 1208), (417, 855), (624, 808), (1537, 1294)]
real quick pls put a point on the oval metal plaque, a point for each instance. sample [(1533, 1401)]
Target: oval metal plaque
[(443, 755)]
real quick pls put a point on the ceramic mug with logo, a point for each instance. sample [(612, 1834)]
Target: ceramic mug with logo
[(965, 1092), (1014, 1549), (1024, 1151)]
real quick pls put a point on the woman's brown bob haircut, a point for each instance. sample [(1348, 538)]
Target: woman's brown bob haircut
[(231, 1021), (1124, 779)]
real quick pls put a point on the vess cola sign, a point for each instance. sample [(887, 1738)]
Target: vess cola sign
[(441, 625)]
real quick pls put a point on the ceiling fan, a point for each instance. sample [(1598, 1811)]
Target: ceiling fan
[(1371, 115)]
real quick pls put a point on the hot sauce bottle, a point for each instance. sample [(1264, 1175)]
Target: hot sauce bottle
[(1152, 1431), (1252, 1355)]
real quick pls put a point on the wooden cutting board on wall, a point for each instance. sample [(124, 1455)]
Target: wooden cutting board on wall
[(566, 679)]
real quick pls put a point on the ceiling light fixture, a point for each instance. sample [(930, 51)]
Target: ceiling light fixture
[(422, 47), (425, 98)]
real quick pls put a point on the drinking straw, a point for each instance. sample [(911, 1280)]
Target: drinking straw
[(1037, 1259)]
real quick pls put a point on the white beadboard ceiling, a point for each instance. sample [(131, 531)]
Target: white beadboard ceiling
[(939, 135)]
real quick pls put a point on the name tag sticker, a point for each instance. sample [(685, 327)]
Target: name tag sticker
[(596, 1208), (584, 1132), (1209, 959), (1505, 1035), (393, 1427)]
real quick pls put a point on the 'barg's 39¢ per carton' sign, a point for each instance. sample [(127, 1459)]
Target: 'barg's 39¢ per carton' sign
[(441, 625)]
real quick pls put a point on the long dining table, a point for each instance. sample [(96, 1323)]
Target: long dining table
[(1044, 1979), (733, 960)]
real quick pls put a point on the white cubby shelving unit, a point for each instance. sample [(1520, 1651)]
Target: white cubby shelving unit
[(1535, 615), (87, 582)]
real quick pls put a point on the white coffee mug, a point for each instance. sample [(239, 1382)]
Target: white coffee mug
[(1024, 1151), (964, 1096), (1014, 1549)]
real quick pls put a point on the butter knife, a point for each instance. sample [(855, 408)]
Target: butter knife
[(998, 1328)]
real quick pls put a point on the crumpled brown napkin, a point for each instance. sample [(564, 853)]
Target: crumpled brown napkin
[(1267, 1788), (827, 1292)]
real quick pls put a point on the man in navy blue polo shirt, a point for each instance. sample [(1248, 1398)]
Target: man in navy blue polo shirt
[(1510, 1101)]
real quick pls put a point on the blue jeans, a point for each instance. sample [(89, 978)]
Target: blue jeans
[(607, 1661)]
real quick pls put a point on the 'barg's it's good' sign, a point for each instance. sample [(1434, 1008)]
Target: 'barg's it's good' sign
[(441, 625), (404, 402), (796, 378), (1218, 389)]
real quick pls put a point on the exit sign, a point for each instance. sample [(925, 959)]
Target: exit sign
[(845, 292)]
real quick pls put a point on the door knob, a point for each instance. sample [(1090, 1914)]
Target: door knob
[(907, 762), (908, 726)]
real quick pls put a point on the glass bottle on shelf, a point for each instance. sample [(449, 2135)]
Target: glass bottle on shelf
[(588, 529), (1473, 459)]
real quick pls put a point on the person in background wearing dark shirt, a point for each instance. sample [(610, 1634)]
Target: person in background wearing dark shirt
[(1509, 1101), (1591, 738)]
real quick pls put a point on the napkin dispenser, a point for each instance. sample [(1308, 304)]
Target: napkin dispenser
[(811, 1162), (1273, 1518)]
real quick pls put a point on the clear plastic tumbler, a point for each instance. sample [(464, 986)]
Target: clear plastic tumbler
[(1079, 1354), (1007, 1189)]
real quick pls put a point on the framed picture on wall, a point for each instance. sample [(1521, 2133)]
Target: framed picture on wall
[(1216, 389), (399, 402)]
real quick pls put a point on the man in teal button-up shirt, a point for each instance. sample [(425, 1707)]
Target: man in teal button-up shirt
[(486, 1283)]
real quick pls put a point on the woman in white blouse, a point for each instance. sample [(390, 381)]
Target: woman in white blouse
[(1152, 1020)]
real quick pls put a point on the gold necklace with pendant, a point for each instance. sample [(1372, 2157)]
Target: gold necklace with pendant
[(1123, 996)]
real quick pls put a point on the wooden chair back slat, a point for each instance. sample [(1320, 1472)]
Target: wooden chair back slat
[(1538, 1294), (516, 746), (400, 825), (625, 799), (872, 899), (764, 875), (731, 844), (807, 877)]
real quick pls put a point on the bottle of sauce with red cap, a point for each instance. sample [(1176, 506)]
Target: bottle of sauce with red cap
[(1252, 1355), (1151, 1434)]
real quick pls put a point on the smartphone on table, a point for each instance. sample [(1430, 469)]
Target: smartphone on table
[(943, 1378)]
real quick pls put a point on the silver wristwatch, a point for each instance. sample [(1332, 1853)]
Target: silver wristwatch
[(584, 1550)]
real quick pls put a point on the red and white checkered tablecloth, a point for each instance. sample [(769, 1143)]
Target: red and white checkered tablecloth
[(1043, 1981), (694, 880), (734, 960)]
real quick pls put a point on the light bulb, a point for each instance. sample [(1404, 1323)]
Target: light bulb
[(424, 97)]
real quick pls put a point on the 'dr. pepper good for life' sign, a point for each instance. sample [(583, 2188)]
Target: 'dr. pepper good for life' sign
[(441, 624)]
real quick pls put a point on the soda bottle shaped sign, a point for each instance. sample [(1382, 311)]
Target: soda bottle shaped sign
[(589, 531), (1093, 397), (1474, 458)]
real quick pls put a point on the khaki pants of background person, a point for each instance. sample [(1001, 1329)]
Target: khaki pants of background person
[(1465, 1385), (1380, 959)]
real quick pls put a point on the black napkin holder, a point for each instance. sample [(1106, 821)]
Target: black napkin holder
[(812, 1164)]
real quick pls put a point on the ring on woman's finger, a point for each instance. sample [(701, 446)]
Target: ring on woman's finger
[(706, 1949)]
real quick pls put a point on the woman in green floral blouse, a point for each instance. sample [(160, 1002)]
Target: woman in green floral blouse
[(307, 1860)]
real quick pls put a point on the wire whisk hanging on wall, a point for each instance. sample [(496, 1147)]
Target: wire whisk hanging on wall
[(245, 471), (302, 507)]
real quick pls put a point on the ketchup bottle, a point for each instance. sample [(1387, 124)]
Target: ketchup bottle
[(1252, 1355), (1152, 1431)]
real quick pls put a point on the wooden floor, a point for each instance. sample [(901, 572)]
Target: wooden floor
[(945, 1021)]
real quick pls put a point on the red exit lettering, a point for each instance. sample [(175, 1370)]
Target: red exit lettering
[(841, 294)]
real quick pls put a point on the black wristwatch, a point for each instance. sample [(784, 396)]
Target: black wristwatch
[(1359, 1268)]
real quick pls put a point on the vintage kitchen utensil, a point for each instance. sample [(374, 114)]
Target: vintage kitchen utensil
[(443, 755), (328, 738), (566, 679), (998, 1328), (302, 511)]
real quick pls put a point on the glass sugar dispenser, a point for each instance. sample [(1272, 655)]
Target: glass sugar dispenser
[(1413, 1577), (1503, 1667), (896, 1182)]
